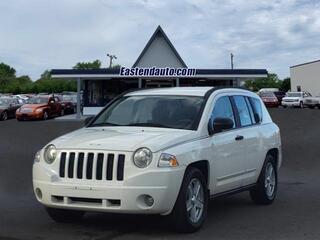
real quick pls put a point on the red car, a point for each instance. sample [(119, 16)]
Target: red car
[(40, 107), (269, 99)]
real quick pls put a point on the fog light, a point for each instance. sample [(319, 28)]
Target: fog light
[(149, 201), (38, 193)]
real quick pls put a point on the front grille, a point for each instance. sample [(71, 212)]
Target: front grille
[(92, 166)]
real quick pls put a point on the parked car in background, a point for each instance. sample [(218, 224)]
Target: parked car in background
[(21, 98), (295, 99), (162, 151), (279, 95), (312, 102), (269, 99), (40, 107), (262, 90), (69, 103), (8, 107)]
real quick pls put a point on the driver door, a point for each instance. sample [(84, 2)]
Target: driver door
[(227, 150)]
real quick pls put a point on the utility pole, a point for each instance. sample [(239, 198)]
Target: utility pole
[(231, 56), (111, 58)]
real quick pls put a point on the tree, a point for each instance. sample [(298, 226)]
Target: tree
[(7, 71), (88, 65), (116, 66), (272, 81), (285, 85)]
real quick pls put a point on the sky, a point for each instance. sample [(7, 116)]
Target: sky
[(36, 35)]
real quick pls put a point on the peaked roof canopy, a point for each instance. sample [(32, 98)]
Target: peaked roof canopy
[(159, 52)]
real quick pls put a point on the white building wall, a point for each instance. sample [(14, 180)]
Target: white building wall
[(307, 76)]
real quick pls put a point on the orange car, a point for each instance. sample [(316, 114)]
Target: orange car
[(40, 107)]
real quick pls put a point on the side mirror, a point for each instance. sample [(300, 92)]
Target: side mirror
[(88, 120), (219, 124)]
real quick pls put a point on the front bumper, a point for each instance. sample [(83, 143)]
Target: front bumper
[(29, 116), (290, 104), (162, 185)]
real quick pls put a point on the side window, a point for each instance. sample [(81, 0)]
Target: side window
[(244, 114), (257, 109), (56, 99), (223, 109), (250, 109)]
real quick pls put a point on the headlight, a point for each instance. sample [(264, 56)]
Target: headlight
[(50, 154), (37, 157), (39, 110), (142, 157), (168, 160)]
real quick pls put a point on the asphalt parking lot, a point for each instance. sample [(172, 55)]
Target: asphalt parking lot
[(294, 215)]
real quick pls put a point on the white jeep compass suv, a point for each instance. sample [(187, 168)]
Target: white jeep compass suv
[(162, 151)]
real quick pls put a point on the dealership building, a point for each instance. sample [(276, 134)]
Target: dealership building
[(158, 65), (306, 77)]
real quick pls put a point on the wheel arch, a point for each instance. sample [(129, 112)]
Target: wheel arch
[(275, 153), (204, 167)]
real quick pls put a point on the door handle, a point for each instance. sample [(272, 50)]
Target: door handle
[(239, 137)]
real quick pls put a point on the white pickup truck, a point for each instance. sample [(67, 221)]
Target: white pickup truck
[(312, 102), (295, 99)]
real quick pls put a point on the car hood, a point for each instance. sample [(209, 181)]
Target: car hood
[(124, 138), (33, 106)]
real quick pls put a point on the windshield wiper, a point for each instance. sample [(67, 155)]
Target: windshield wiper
[(104, 124), (148, 125)]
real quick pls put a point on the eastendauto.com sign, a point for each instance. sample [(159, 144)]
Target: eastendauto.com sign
[(154, 71)]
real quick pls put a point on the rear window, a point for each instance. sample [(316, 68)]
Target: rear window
[(267, 94)]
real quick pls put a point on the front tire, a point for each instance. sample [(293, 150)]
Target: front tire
[(301, 105), (191, 207), (4, 116), (266, 189), (62, 215), (45, 115)]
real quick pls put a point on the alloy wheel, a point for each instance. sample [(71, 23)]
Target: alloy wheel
[(4, 116), (270, 180), (195, 200)]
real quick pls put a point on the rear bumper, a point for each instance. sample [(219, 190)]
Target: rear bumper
[(95, 195), (272, 104)]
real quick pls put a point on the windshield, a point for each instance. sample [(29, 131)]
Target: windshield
[(181, 112), (37, 100), (294, 94)]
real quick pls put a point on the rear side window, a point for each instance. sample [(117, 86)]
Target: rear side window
[(256, 104), (223, 109), (244, 114)]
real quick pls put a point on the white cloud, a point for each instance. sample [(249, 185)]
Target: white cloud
[(272, 34)]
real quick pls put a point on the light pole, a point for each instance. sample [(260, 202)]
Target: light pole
[(231, 57), (111, 58)]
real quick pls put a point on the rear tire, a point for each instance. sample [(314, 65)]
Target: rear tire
[(62, 215), (191, 206), (266, 189)]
